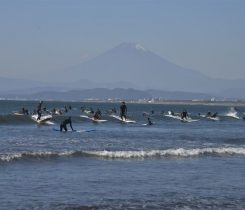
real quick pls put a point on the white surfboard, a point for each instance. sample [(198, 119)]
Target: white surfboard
[(18, 113), (210, 118), (93, 119), (120, 119), (173, 116), (188, 119), (213, 118), (45, 119)]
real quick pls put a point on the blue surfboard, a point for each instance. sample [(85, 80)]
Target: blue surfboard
[(77, 131)]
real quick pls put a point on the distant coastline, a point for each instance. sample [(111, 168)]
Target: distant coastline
[(165, 102)]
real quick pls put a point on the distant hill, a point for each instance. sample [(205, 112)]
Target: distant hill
[(105, 94)]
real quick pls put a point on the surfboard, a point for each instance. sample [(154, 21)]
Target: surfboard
[(179, 118), (92, 118), (210, 118), (173, 116), (213, 118), (45, 119), (18, 114), (189, 120), (120, 119), (75, 131)]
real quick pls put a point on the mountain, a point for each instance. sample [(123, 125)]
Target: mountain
[(132, 66), (142, 69)]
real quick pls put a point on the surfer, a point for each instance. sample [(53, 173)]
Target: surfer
[(123, 111), (63, 125), (97, 114), (215, 115), (209, 114), (111, 111), (149, 121), (66, 110), (184, 115), (39, 110), (25, 111), (91, 110)]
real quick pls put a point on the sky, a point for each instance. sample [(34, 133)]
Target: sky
[(39, 38)]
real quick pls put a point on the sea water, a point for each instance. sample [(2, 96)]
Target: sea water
[(170, 165)]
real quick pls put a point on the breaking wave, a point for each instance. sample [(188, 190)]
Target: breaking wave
[(179, 152)]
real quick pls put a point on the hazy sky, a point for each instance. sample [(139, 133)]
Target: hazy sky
[(39, 37)]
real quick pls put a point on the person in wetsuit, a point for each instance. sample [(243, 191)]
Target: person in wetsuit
[(209, 114), (184, 115), (97, 114), (149, 121), (63, 125), (39, 110), (123, 111), (215, 115)]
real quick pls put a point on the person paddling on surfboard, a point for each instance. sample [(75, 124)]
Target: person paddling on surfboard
[(39, 110), (214, 115), (63, 125), (123, 111)]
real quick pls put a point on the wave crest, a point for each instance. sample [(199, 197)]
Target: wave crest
[(179, 152)]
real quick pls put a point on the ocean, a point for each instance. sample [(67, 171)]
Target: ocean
[(169, 165)]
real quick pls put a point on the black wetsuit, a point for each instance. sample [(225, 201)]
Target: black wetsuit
[(208, 114), (149, 121), (123, 111), (39, 110), (184, 115), (63, 125), (97, 115)]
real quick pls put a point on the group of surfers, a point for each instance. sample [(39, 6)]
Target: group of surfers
[(98, 114)]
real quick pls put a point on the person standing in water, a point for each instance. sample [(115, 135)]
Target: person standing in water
[(39, 110), (97, 114), (123, 111), (184, 115)]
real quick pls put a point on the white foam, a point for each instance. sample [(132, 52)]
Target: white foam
[(15, 156), (232, 113), (179, 152)]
